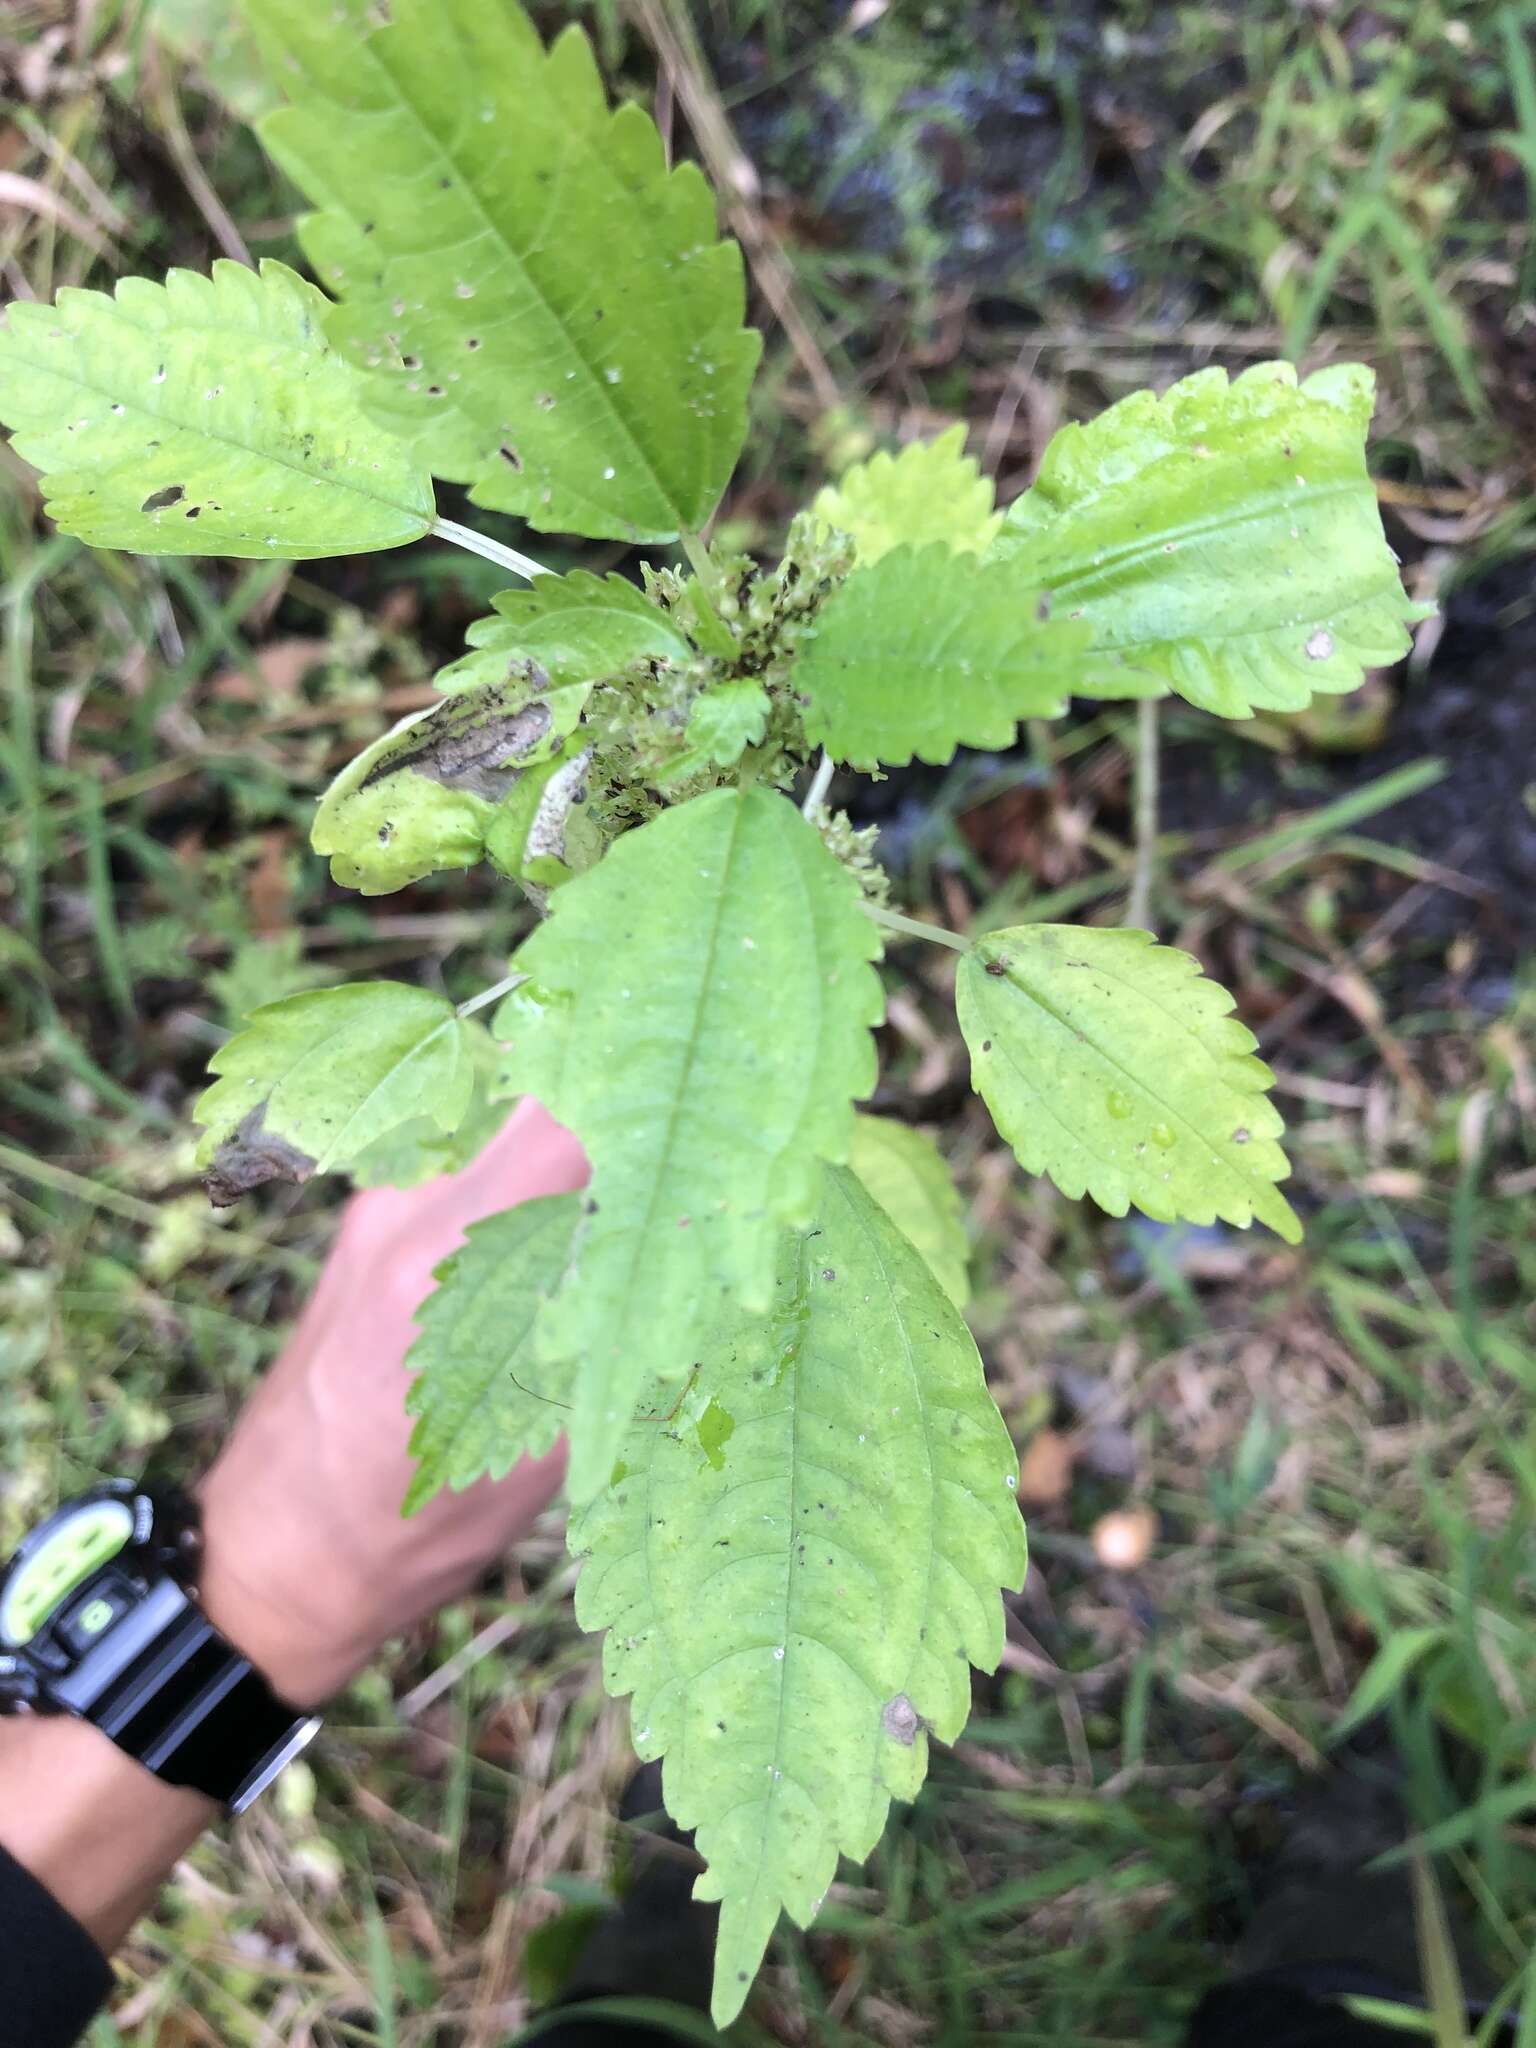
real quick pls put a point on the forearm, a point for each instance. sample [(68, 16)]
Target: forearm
[(93, 1827), (97, 1829), (308, 1566)]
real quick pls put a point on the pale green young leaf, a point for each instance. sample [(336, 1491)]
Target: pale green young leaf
[(796, 1612), (910, 1178), (546, 309), (931, 491), (421, 1148), (699, 1015), (481, 1399), (1222, 540), (929, 651), (723, 722), (426, 794), (313, 1080), (573, 628), (204, 416), (1113, 1065)]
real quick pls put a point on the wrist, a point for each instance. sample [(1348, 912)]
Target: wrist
[(93, 1827), (278, 1599)]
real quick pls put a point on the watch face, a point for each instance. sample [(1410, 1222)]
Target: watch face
[(69, 1548)]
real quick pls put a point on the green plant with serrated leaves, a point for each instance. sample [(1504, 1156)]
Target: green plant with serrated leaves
[(792, 1490)]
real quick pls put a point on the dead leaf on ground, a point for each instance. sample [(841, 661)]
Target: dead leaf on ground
[(282, 666)]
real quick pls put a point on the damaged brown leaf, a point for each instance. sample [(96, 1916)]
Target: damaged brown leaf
[(313, 1080)]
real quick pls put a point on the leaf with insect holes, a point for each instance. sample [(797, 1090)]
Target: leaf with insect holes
[(428, 794), (1222, 540), (909, 1177), (568, 629), (1113, 1065), (929, 651), (931, 491), (794, 1598), (313, 1080), (545, 309), (204, 416), (699, 1015), (481, 1399)]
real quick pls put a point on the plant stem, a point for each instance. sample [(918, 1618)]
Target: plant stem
[(915, 928), (821, 782), (491, 550), (713, 629), (487, 996), (1138, 909)]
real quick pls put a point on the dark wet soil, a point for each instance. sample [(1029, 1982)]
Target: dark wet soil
[(1474, 709), (955, 145)]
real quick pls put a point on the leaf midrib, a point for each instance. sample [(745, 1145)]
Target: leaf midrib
[(445, 156), (206, 433), (1138, 1082), (1128, 557), (332, 1149)]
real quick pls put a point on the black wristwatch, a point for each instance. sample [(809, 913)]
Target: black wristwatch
[(99, 1619)]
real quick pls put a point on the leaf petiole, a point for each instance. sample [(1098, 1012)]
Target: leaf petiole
[(914, 928), (490, 995), (490, 550), (821, 782)]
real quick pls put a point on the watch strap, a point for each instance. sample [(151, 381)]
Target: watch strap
[(172, 1693)]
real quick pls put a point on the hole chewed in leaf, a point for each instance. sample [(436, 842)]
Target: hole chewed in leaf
[(251, 1156), (161, 500)]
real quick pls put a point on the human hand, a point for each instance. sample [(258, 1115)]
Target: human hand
[(308, 1564)]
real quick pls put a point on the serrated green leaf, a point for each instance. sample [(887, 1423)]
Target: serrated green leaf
[(546, 309), (910, 1178), (931, 491), (426, 794), (314, 1079), (929, 651), (722, 724), (699, 1015), (793, 1619), (1223, 539), (1113, 1065), (204, 416), (481, 1399), (420, 1148), (573, 628)]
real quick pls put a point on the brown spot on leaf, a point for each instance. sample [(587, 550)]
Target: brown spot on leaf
[(251, 1156), (470, 742), (901, 1720)]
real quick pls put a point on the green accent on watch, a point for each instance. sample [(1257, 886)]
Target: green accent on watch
[(65, 1561)]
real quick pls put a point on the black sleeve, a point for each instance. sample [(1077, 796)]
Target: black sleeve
[(53, 1978)]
